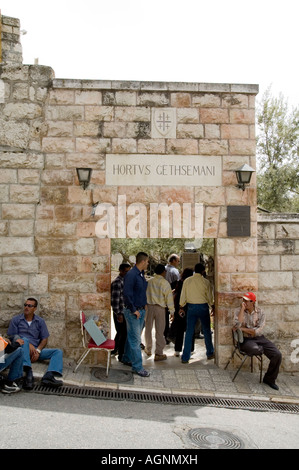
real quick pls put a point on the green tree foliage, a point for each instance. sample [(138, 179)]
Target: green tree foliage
[(158, 249), (277, 154)]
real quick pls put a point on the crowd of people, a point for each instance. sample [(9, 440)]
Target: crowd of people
[(186, 300), (172, 302)]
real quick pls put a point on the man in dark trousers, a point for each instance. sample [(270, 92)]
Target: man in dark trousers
[(250, 320), (117, 304)]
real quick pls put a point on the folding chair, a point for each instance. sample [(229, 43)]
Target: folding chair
[(243, 356), (90, 345)]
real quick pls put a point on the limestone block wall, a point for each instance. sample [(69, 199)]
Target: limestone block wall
[(49, 127), (10, 45), (278, 249), (86, 120)]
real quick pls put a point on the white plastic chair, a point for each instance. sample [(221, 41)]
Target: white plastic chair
[(90, 345)]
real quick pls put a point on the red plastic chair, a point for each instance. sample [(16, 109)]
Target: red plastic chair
[(90, 345)]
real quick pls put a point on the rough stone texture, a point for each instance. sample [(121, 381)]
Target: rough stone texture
[(278, 247)]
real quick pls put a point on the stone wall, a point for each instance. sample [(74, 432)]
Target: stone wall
[(278, 249), (11, 48)]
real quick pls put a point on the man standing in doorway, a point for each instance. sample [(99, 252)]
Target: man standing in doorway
[(197, 293), (117, 304), (135, 286), (172, 276), (172, 272), (159, 297)]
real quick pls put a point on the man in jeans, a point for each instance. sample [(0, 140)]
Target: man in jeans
[(134, 292), (197, 293), (34, 332), (14, 361)]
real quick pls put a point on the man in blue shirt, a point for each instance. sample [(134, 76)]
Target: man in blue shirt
[(33, 330), (134, 293)]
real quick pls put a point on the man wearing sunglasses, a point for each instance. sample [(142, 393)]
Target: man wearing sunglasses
[(249, 322), (33, 330)]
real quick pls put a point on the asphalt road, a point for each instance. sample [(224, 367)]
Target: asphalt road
[(34, 421)]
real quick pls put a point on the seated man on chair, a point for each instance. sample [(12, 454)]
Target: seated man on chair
[(33, 330), (250, 320)]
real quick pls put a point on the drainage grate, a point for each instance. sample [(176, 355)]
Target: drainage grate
[(167, 399), (208, 438)]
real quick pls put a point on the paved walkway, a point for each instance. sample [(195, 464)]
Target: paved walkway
[(199, 377)]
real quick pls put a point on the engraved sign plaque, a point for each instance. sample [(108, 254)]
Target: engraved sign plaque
[(238, 221), (163, 170)]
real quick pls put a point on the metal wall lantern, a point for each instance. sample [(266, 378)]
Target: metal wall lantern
[(84, 175), (244, 175)]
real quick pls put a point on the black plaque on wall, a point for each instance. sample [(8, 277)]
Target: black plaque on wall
[(238, 221)]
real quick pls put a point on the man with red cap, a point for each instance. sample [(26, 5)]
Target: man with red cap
[(249, 322)]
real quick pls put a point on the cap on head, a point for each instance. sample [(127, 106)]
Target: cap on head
[(250, 296)]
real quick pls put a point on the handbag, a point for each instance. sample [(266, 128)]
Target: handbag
[(8, 348), (3, 344)]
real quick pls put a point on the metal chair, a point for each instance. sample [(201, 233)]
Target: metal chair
[(243, 357), (90, 345)]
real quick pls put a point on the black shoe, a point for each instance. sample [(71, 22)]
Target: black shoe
[(170, 339), (126, 363), (271, 384), (49, 381), (28, 380)]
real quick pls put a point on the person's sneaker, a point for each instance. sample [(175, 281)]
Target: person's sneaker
[(12, 388), (148, 352), (177, 353), (142, 373), (160, 357), (185, 362), (211, 356)]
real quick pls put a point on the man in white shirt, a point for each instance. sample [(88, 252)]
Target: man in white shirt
[(172, 272)]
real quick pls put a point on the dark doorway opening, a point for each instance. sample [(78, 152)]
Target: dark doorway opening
[(191, 251)]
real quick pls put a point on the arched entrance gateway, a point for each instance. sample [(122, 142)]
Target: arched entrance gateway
[(163, 158)]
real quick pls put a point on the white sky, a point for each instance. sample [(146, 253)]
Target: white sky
[(215, 41)]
